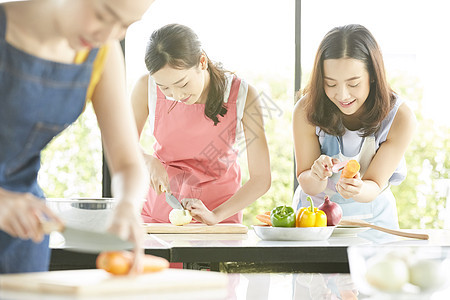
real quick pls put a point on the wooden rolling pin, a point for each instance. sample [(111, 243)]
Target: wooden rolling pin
[(354, 222)]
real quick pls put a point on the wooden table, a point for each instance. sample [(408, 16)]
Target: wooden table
[(247, 253)]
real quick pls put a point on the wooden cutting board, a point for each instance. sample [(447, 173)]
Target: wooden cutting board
[(99, 282), (195, 228)]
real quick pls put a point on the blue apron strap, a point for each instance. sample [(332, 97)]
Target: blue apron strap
[(92, 55), (2, 23)]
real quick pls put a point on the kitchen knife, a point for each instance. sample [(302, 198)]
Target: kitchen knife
[(339, 166), (81, 240), (173, 202)]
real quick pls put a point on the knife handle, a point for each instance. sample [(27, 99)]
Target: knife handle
[(50, 226)]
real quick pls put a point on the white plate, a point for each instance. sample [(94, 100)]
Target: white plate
[(269, 233), (348, 230)]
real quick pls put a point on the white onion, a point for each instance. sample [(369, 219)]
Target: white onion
[(387, 273), (180, 217), (427, 273)]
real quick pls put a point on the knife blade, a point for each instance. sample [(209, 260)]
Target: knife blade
[(339, 166), (173, 201), (81, 240)]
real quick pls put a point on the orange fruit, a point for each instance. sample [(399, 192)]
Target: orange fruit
[(119, 262)]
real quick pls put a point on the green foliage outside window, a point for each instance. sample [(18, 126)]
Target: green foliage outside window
[(420, 201), (72, 162)]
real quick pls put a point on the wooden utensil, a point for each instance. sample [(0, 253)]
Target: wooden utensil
[(355, 222)]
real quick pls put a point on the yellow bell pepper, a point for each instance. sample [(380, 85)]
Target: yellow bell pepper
[(311, 216)]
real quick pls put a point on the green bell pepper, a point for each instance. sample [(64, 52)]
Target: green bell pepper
[(283, 216)]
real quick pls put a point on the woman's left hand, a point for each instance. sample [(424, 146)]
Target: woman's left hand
[(127, 224), (199, 211), (349, 187)]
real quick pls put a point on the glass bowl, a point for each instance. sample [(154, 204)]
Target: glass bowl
[(400, 272)]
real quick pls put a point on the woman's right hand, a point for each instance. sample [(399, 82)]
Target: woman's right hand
[(159, 179), (321, 169), (20, 215)]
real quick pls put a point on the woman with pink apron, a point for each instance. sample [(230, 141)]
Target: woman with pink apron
[(195, 151)]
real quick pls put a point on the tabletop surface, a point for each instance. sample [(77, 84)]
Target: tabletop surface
[(438, 237)]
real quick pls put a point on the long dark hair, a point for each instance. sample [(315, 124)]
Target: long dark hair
[(349, 41), (178, 46)]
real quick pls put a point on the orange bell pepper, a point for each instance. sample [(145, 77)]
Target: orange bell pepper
[(311, 216)]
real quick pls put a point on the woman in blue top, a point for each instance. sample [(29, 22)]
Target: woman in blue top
[(348, 111), (43, 89)]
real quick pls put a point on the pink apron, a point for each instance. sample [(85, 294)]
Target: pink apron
[(198, 156)]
